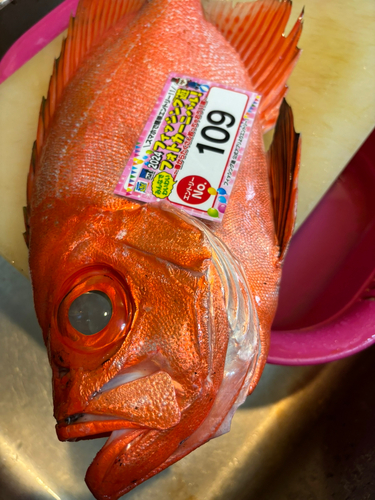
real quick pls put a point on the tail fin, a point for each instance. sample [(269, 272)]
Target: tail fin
[(255, 30)]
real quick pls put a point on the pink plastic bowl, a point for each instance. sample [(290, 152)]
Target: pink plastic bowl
[(327, 296)]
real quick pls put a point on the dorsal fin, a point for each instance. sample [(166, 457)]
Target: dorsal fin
[(92, 20), (284, 159), (255, 30)]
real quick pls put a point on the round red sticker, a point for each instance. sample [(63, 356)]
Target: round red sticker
[(193, 189)]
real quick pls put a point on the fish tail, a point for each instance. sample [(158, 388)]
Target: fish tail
[(92, 20), (256, 31)]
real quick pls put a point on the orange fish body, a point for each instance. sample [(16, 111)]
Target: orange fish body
[(191, 304)]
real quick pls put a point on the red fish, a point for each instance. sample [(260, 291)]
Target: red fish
[(156, 324)]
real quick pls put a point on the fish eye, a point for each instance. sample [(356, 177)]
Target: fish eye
[(90, 312), (93, 315)]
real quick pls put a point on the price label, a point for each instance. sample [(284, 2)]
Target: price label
[(191, 147)]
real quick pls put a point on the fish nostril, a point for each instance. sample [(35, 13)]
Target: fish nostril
[(62, 372)]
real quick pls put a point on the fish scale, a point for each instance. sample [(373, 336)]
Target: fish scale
[(91, 94)]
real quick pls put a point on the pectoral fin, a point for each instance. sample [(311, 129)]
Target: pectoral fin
[(284, 159)]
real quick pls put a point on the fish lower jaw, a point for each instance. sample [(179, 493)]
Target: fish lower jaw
[(90, 426)]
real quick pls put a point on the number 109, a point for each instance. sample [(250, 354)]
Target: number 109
[(221, 134)]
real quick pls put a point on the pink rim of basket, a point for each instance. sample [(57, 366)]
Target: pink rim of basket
[(355, 328), (37, 37)]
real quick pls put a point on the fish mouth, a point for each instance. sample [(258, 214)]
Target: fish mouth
[(140, 397), (90, 426)]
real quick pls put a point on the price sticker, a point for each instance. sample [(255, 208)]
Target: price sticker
[(191, 147)]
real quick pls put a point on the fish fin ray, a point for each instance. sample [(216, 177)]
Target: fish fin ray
[(93, 18), (256, 31), (284, 159)]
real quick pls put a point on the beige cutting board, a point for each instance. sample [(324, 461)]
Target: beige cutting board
[(331, 92)]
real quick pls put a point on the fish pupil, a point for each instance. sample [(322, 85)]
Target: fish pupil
[(90, 312)]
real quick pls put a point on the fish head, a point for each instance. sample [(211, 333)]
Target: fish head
[(134, 309)]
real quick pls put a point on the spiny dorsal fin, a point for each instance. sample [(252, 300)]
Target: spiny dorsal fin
[(92, 20), (255, 30), (284, 159)]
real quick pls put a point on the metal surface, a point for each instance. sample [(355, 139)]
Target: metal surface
[(335, 459), (36, 466)]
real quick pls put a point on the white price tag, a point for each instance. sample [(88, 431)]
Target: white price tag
[(191, 147), (211, 147)]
